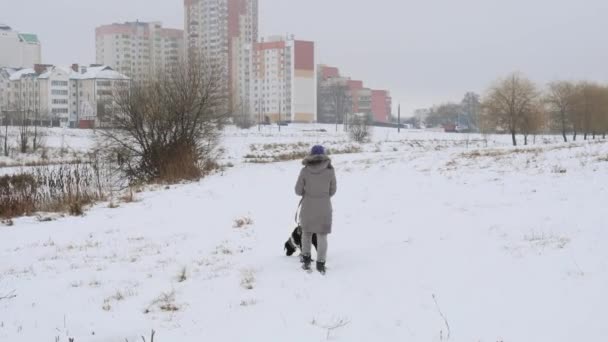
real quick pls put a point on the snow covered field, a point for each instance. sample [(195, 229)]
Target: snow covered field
[(433, 240)]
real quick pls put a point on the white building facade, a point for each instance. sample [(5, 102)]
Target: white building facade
[(283, 83), (18, 50), (138, 49), (68, 97)]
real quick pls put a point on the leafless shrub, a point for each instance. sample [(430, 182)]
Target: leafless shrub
[(243, 121), (128, 196), (359, 130), (249, 302), (329, 328), (558, 169), (242, 222), (183, 275), (12, 294), (247, 279), (445, 320), (273, 153), (63, 188), (165, 302), (167, 129)]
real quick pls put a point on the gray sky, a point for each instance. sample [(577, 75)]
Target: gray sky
[(425, 52)]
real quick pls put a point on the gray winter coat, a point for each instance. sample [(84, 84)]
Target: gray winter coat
[(316, 184)]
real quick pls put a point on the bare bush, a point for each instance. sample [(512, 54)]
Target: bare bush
[(165, 302), (183, 275), (167, 129), (243, 121), (64, 188), (248, 279), (242, 222), (7, 296), (359, 130)]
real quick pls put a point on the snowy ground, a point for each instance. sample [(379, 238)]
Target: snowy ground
[(56, 145), (432, 241)]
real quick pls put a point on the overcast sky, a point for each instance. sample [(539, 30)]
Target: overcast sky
[(424, 52)]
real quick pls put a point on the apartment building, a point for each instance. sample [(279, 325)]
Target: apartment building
[(374, 104), (218, 33), (63, 96), (94, 91), (283, 85), (19, 50), (139, 49)]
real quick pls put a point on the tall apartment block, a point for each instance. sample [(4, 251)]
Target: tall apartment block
[(282, 81), (18, 50), (139, 49), (218, 31)]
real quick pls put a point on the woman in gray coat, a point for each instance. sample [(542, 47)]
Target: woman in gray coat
[(316, 184)]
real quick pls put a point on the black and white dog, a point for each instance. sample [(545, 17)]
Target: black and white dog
[(295, 241)]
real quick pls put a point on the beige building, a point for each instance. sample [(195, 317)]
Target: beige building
[(5, 75), (217, 31), (283, 83), (94, 94), (18, 50), (63, 96), (139, 49)]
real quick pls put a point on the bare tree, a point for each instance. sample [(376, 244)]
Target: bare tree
[(168, 127), (585, 108), (509, 101), (561, 98), (359, 129), (470, 105), (533, 121), (6, 122), (242, 116), (335, 98), (24, 127), (603, 115)]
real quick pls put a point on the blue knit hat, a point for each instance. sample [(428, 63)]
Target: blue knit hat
[(317, 150)]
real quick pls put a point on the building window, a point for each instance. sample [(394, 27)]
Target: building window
[(59, 83), (59, 92)]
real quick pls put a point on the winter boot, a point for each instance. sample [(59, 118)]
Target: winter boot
[(321, 267), (306, 260)]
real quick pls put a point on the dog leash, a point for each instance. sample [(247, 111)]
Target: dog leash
[(296, 218)]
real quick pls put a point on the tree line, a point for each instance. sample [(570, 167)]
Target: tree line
[(517, 106)]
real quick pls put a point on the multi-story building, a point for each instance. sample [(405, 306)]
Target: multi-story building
[(382, 104), (333, 95), (5, 75), (138, 49), (283, 85), (373, 104), (218, 33), (24, 95), (19, 50), (94, 94), (73, 96)]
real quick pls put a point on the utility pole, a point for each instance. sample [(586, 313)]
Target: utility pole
[(399, 118)]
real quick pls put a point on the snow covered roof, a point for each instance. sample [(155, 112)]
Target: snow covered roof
[(17, 75), (5, 27), (86, 73), (9, 70), (49, 71), (99, 72)]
